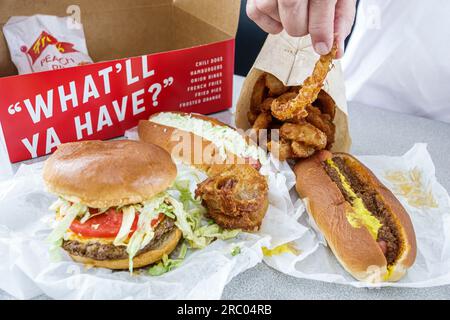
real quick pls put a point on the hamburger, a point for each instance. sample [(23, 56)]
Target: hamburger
[(365, 226), (112, 208), (121, 205)]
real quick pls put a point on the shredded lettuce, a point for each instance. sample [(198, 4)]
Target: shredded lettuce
[(186, 224), (190, 214), (167, 210), (183, 190), (144, 233), (225, 138), (85, 217), (185, 193), (136, 241), (54, 251), (158, 269), (190, 224), (129, 214), (214, 231), (55, 206), (166, 264), (88, 215), (236, 250), (69, 213)]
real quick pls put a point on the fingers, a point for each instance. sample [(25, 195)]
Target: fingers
[(321, 24), (264, 21), (324, 20), (294, 16), (343, 22), (268, 7)]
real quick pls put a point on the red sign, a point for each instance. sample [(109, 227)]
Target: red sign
[(39, 111)]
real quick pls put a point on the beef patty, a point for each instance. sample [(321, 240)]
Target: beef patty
[(99, 251), (372, 201)]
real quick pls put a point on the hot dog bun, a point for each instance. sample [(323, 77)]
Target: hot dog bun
[(188, 146), (370, 251)]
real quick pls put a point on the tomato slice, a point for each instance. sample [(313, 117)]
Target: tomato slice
[(106, 225)]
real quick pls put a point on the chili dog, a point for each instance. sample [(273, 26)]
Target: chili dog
[(365, 226)]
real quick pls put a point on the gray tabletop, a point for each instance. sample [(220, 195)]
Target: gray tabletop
[(373, 131)]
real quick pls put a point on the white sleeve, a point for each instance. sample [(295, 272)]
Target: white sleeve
[(398, 57)]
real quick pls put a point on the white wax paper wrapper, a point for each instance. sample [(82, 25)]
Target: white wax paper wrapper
[(27, 270), (412, 179)]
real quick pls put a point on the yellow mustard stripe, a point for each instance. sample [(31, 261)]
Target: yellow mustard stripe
[(284, 248), (360, 216), (390, 271)]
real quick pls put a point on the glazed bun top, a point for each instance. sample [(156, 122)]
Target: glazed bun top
[(103, 174)]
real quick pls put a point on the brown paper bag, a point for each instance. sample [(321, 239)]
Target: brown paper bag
[(292, 60)]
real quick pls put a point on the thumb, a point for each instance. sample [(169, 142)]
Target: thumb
[(321, 24)]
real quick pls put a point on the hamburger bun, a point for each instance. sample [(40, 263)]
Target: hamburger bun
[(103, 174)]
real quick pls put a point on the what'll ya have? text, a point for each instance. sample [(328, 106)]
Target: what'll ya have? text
[(98, 101), (76, 94)]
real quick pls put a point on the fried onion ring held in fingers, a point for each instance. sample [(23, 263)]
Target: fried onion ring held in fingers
[(295, 108), (236, 197), (305, 133)]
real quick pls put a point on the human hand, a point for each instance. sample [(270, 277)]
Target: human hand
[(325, 20)]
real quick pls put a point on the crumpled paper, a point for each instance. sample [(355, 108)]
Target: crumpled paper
[(27, 270), (412, 179)]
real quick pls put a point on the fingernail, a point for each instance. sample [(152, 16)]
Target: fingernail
[(322, 48)]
